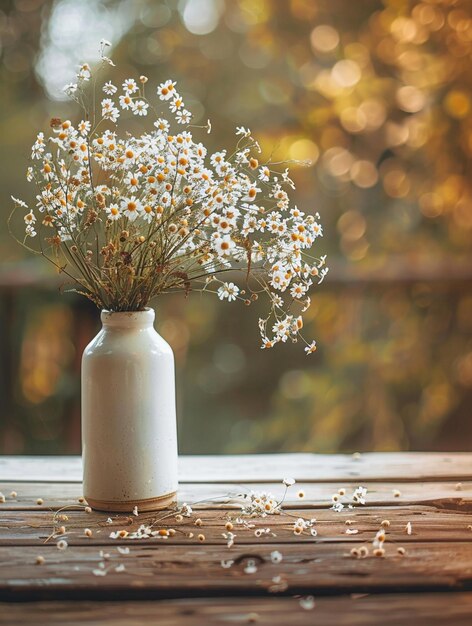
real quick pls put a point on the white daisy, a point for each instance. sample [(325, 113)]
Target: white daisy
[(139, 107), (228, 291), (166, 90), (131, 207), (130, 86), (113, 212), (109, 88)]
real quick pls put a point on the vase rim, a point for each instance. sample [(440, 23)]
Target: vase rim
[(128, 319)]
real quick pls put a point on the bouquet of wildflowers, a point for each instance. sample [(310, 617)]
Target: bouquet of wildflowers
[(129, 217)]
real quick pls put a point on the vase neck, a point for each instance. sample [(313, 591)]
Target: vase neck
[(128, 319)]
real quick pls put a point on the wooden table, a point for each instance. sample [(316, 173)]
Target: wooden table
[(424, 576)]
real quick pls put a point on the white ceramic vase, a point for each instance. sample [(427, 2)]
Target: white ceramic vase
[(129, 435)]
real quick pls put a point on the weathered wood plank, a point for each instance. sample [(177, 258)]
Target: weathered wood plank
[(428, 524), (169, 571), (207, 496), (405, 467), (428, 609)]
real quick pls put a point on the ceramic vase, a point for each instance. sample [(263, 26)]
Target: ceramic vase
[(129, 435)]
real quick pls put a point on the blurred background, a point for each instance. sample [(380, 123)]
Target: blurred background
[(378, 95)]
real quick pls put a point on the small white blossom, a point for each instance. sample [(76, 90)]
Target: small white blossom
[(228, 291), (109, 88)]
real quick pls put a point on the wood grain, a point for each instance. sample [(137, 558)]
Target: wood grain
[(169, 571), (427, 524), (182, 579), (207, 496), (428, 609), (387, 466)]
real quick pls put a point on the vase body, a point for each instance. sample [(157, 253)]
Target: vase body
[(129, 434)]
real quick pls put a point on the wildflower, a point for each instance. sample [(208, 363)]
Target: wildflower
[(276, 557), (120, 568), (228, 291), (166, 90), (240, 130), (229, 539), (84, 72), (307, 603), (251, 567), (288, 482), (186, 510), (139, 107), (224, 211), (131, 207), (109, 88), (311, 347), (113, 212), (183, 116), (130, 86), (359, 495), (122, 550), (61, 544)]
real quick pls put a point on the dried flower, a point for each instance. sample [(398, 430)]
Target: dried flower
[(39, 501), (88, 532), (13, 494), (61, 544), (40, 560), (2, 498), (408, 528), (201, 537), (88, 509), (276, 557), (401, 551), (229, 526), (307, 603), (251, 567), (396, 493), (385, 523), (194, 215)]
